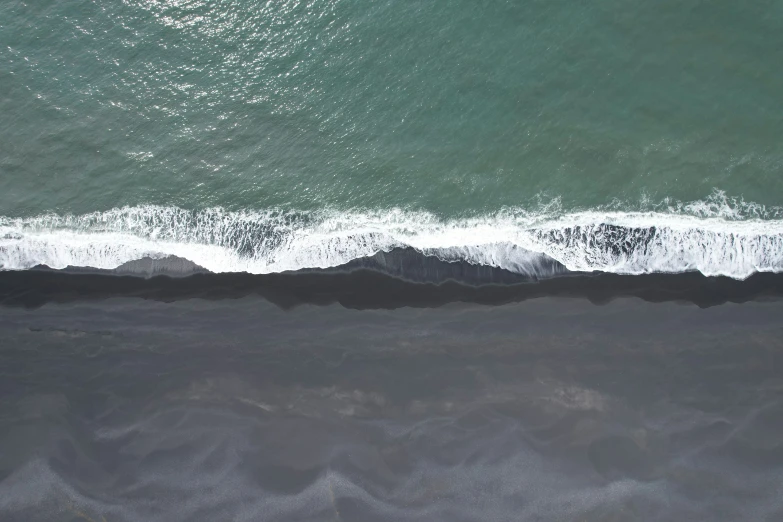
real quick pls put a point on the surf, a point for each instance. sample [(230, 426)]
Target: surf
[(540, 243)]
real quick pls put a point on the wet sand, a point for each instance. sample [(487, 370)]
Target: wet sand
[(358, 397)]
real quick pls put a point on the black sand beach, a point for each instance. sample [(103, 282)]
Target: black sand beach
[(358, 396), (387, 280)]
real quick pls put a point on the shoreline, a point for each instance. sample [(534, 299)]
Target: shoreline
[(361, 285)]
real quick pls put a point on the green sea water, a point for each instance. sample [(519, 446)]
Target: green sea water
[(455, 108), (452, 107)]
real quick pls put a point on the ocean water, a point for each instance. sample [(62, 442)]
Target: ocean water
[(627, 137)]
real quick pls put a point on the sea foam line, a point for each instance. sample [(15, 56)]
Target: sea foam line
[(673, 240)]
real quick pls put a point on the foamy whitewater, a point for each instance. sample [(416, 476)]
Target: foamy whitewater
[(713, 238)]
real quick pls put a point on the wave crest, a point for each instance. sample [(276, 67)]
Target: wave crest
[(675, 240)]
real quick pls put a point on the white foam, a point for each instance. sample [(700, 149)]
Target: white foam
[(675, 239)]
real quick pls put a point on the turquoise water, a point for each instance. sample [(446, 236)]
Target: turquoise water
[(449, 111)]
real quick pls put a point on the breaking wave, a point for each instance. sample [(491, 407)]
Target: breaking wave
[(714, 239)]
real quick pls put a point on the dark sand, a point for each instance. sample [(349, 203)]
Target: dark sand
[(356, 396), (389, 280)]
